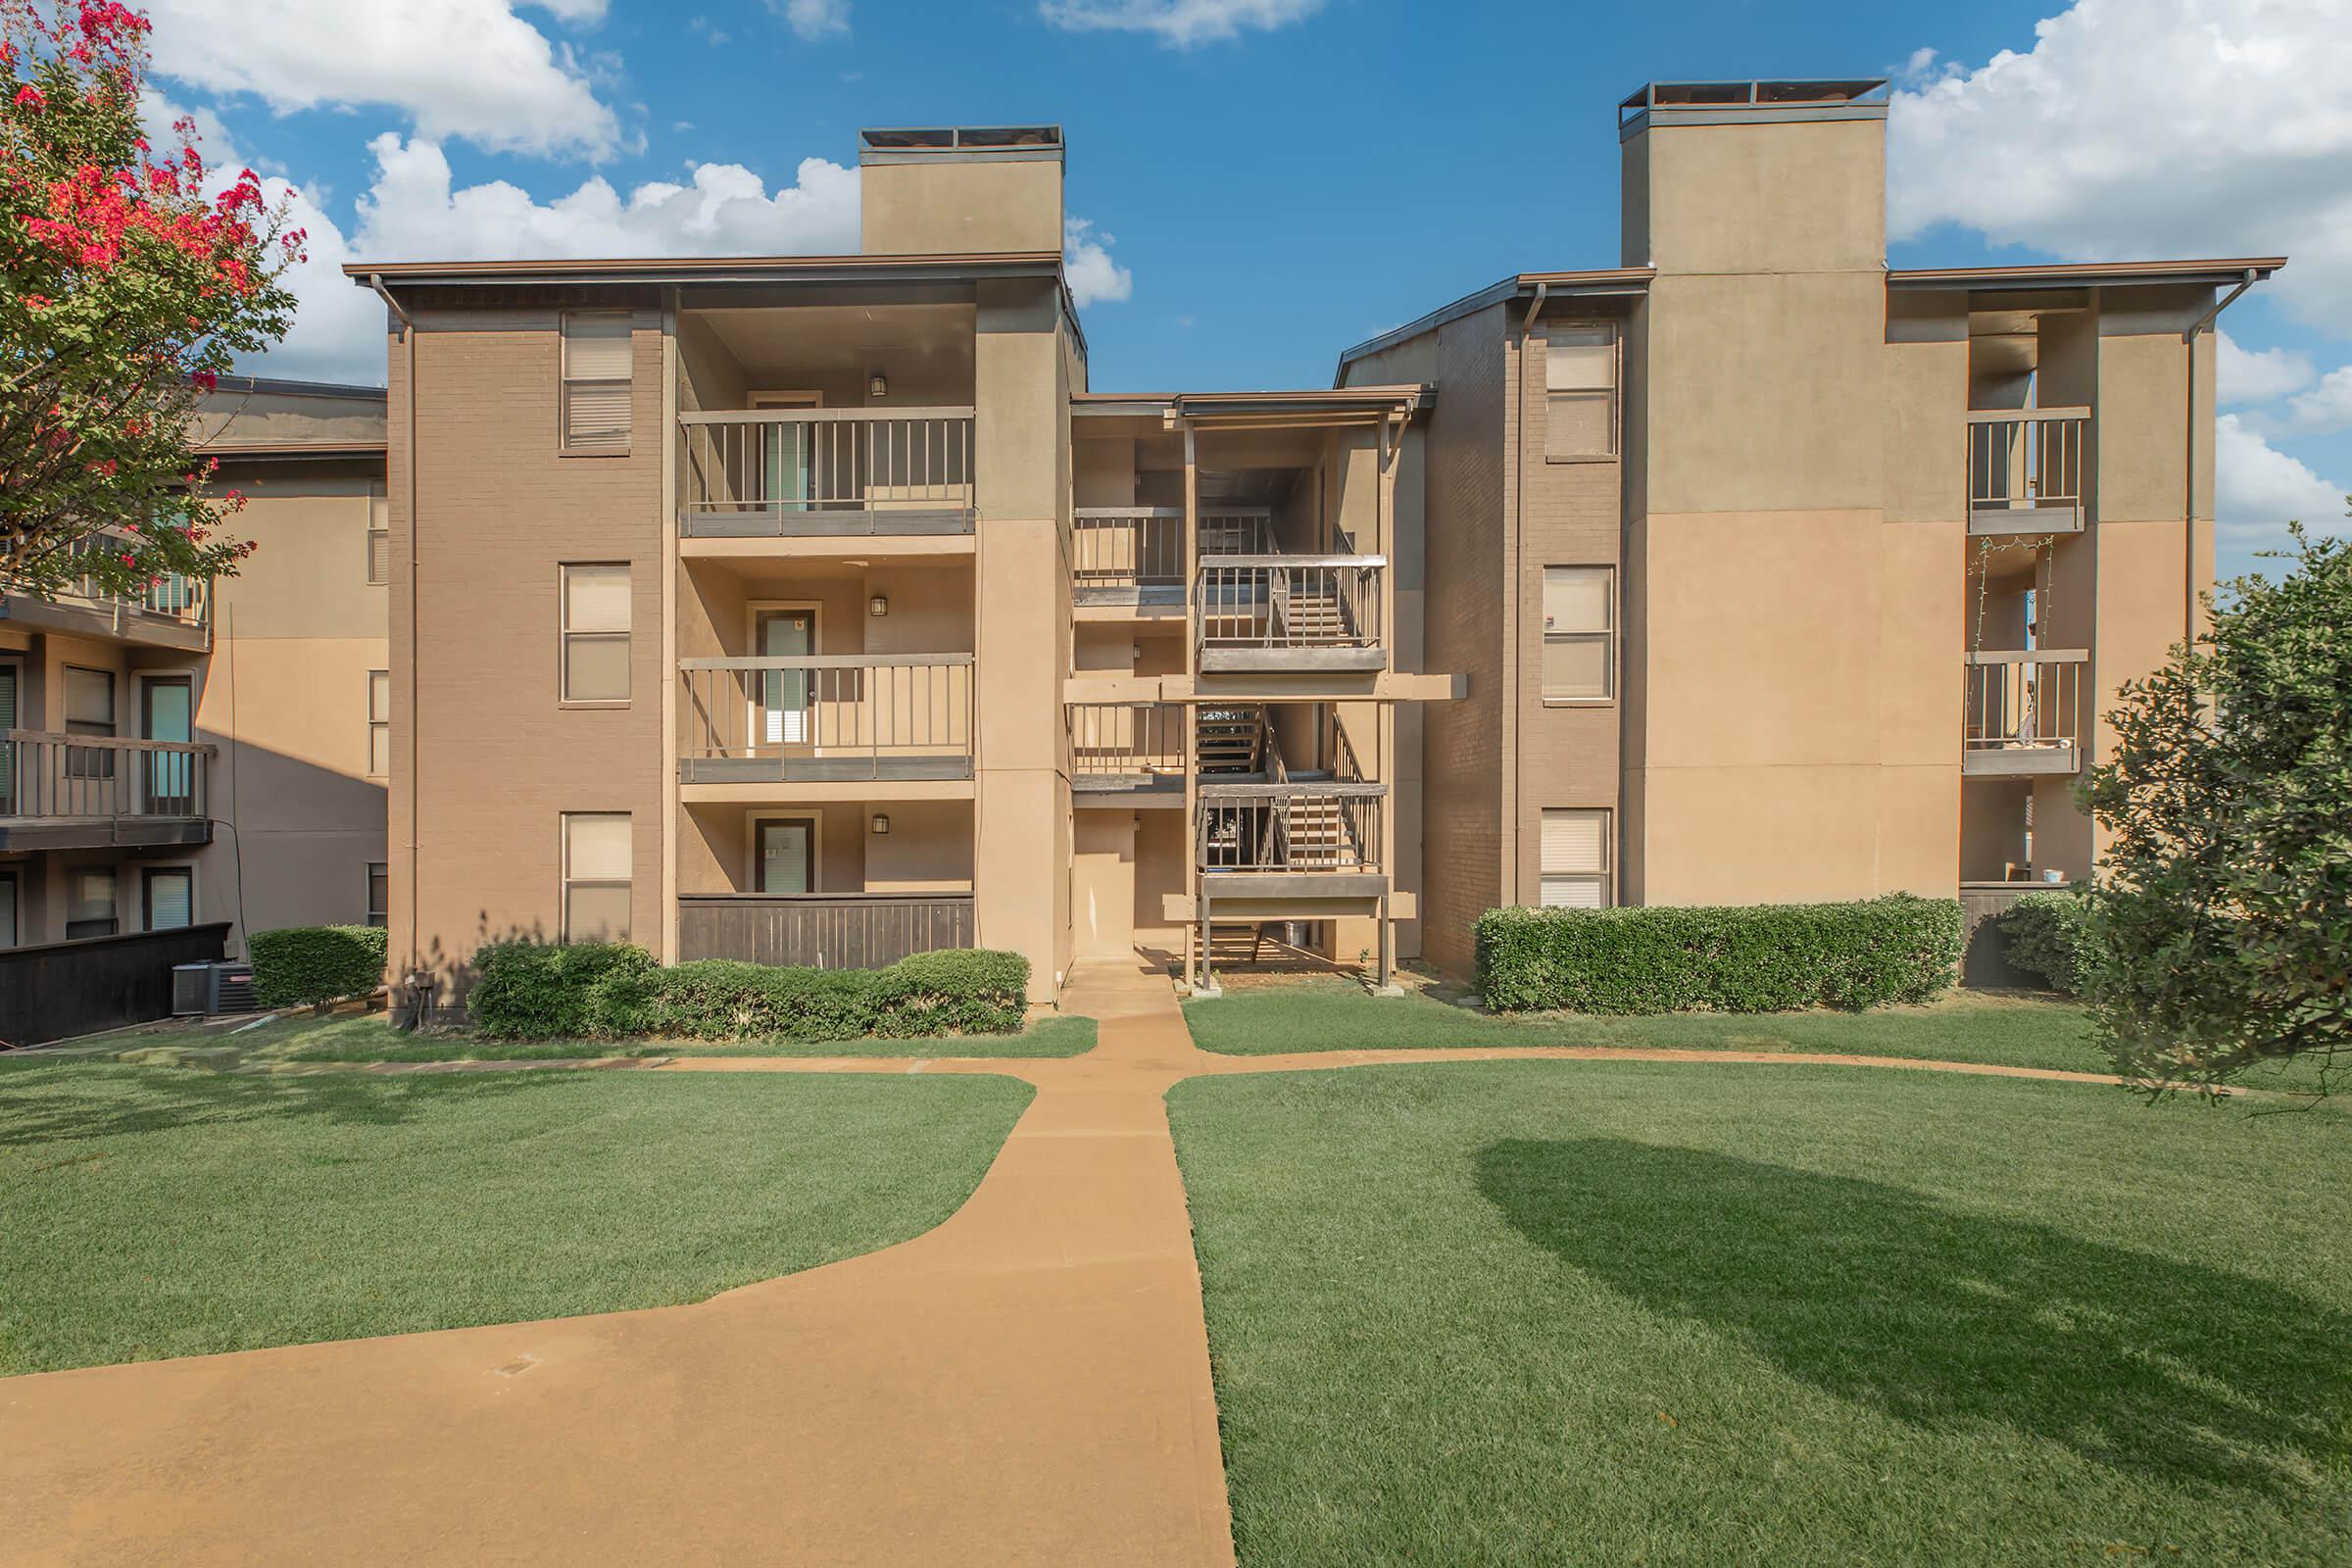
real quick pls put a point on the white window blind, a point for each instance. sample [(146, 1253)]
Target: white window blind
[(596, 632), (380, 535), (1575, 859), (171, 899), (1579, 657), (90, 904), (1580, 382), (380, 892), (596, 876), (596, 382), (379, 722)]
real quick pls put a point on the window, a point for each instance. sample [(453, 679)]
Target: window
[(379, 536), (89, 710), (1580, 382), (10, 680), (8, 909), (171, 896), (596, 633), (596, 876), (1580, 617), (380, 893), (379, 723), (90, 902), (596, 382), (1576, 860)]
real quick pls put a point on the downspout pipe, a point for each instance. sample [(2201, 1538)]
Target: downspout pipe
[(1511, 599), (408, 336)]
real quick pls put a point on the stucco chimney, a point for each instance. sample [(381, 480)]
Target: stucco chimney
[(959, 189)]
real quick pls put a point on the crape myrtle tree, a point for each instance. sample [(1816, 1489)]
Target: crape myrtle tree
[(2219, 931), (126, 290)]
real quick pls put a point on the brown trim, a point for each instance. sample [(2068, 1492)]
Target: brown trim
[(1605, 280), (659, 269), (2224, 270)]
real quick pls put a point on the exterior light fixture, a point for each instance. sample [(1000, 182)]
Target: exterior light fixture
[(878, 605), (881, 824), (877, 386)]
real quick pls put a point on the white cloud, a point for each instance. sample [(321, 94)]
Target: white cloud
[(2326, 407), (2259, 489), (1179, 24), (2148, 128), (2250, 376), (584, 12), (469, 69), (812, 20), (1086, 260)]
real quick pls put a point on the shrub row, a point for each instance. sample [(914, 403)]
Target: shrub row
[(316, 963), (601, 991), (2048, 935), (1761, 958)]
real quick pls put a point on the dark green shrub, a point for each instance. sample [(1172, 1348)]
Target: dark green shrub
[(719, 998), (316, 963), (2048, 935), (541, 990), (1761, 958), (967, 992)]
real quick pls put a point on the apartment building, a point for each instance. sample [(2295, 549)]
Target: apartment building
[(817, 609), (203, 753)]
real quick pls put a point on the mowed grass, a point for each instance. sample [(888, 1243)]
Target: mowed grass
[(1633, 1313), (1967, 1026), (371, 1038), (155, 1211)]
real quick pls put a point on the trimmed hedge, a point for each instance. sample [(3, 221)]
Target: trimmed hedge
[(532, 991), (2048, 935), (1769, 958), (316, 963)]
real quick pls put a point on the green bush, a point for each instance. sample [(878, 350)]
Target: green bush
[(541, 990), (1767, 957), (316, 963), (2048, 935), (533, 990)]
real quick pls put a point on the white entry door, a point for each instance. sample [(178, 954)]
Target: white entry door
[(784, 717)]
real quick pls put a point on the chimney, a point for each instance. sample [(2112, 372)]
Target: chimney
[(959, 189)]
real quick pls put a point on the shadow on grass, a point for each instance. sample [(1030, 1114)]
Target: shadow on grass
[(68, 1101), (1940, 1319)]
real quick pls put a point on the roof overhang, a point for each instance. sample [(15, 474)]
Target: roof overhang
[(758, 269), (293, 451), (1320, 410), (2216, 272), (1603, 282)]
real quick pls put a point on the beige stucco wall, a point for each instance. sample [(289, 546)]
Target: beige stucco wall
[(960, 204)]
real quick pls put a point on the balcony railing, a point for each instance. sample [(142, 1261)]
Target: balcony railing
[(826, 717), (2026, 468), (1322, 827), (2022, 712), (774, 473), (1287, 612), (1135, 555), (94, 789), (822, 930), (171, 612), (1125, 746)]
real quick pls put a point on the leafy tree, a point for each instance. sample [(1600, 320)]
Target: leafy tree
[(124, 292), (2221, 929)]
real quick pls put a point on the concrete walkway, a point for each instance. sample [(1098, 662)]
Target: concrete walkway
[(1028, 1382)]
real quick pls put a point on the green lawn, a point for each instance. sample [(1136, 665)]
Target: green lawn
[(372, 1039), (1967, 1026), (1636, 1313), (155, 1211)]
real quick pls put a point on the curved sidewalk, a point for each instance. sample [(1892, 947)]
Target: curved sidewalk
[(1028, 1382)]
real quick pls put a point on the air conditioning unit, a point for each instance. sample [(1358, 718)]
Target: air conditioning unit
[(199, 990)]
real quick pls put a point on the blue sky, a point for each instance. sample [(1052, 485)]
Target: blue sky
[(1269, 181)]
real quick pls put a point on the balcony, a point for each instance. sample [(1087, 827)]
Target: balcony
[(826, 718), (822, 930), (83, 792), (1127, 750), (1320, 841), (2025, 469), (1135, 555), (171, 612), (773, 474), (1265, 614), (2021, 713)]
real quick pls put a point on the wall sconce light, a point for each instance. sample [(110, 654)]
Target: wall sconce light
[(881, 824), (878, 605), (877, 386)]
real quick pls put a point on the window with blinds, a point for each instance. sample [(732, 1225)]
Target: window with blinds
[(89, 710), (170, 898), (1580, 636), (8, 909), (380, 893), (1576, 863), (90, 902), (596, 876), (379, 536), (595, 631), (1580, 384), (596, 382), (379, 723)]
